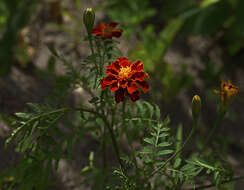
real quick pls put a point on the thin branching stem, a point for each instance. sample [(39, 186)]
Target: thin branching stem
[(38, 116), (220, 117), (213, 184), (176, 153), (110, 129)]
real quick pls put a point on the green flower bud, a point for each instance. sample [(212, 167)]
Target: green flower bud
[(196, 107), (88, 19)]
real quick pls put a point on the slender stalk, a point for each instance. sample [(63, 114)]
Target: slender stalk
[(104, 147), (107, 124), (212, 185), (220, 117), (92, 51), (176, 153), (91, 44), (100, 57)]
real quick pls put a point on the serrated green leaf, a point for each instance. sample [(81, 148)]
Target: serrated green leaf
[(23, 115), (34, 127), (163, 144), (13, 134), (164, 152), (201, 163), (153, 134), (146, 150), (164, 129), (157, 113), (163, 135), (148, 160), (149, 140), (188, 167), (177, 163), (150, 108), (141, 110), (159, 163), (34, 107)]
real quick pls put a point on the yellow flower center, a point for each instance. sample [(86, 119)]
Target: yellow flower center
[(124, 72)]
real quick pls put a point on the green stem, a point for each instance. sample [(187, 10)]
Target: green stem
[(107, 124), (213, 184), (92, 51), (220, 117), (91, 44), (104, 145), (177, 152), (100, 57)]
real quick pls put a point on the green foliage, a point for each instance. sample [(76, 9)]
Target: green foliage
[(15, 16), (154, 46), (33, 127), (153, 157), (134, 12)]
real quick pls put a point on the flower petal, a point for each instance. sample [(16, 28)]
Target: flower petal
[(144, 85), (139, 76), (113, 24), (123, 83), (124, 62), (119, 95), (137, 66), (114, 65), (116, 33), (135, 96), (114, 87), (108, 80), (132, 87), (111, 72)]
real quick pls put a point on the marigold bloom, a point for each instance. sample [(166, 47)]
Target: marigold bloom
[(107, 31), (125, 79), (227, 92)]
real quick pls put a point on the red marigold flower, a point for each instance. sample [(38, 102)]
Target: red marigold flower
[(107, 31), (125, 79)]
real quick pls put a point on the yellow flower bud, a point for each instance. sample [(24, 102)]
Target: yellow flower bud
[(88, 19), (196, 107)]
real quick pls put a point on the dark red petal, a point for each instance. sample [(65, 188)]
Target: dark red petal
[(114, 87), (116, 33), (104, 86), (144, 85), (108, 80), (96, 31), (114, 65), (119, 95), (137, 66), (113, 24), (111, 72), (123, 83), (132, 87), (135, 96), (139, 76), (124, 62)]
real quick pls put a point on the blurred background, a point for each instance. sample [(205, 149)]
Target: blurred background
[(187, 46)]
